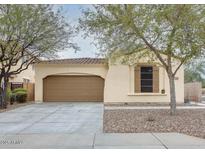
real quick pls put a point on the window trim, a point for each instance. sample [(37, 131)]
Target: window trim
[(151, 79), (137, 76)]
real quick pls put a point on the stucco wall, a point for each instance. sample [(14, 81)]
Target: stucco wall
[(119, 82), (27, 74), (43, 70), (119, 86)]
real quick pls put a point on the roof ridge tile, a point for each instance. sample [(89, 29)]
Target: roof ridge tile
[(85, 60)]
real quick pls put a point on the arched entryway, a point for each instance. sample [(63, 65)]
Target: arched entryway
[(73, 88)]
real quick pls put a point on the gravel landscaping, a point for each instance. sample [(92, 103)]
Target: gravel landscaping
[(187, 121), (150, 104)]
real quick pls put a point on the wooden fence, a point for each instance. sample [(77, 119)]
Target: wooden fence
[(30, 90), (193, 91), (203, 91)]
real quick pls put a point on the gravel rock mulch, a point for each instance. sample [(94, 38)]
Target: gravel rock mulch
[(150, 104), (187, 121)]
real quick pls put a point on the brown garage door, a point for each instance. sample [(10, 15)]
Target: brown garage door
[(73, 88)]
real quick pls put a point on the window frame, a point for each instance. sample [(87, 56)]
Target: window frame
[(146, 87)]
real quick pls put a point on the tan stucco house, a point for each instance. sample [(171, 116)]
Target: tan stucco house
[(98, 80), (26, 76)]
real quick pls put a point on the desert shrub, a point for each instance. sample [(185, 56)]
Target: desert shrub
[(150, 118), (19, 90), (12, 98), (19, 95)]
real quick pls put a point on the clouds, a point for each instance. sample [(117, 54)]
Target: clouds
[(72, 12)]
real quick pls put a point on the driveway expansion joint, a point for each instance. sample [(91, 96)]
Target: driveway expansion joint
[(37, 121), (159, 140), (93, 145)]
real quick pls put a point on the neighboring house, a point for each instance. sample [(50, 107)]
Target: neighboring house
[(95, 80), (26, 76)]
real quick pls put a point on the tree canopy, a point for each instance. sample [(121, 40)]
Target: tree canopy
[(30, 32), (195, 71), (168, 31)]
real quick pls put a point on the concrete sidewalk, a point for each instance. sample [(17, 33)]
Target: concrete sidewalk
[(102, 141)]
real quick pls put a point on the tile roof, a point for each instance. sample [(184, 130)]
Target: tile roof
[(76, 61)]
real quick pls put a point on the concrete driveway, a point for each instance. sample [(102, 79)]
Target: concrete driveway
[(80, 118)]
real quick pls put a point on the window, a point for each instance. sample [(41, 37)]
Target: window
[(15, 85), (26, 80), (146, 79)]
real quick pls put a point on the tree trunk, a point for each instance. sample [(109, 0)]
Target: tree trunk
[(3, 90), (1, 93), (172, 95)]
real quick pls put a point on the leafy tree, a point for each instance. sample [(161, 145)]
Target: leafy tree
[(27, 33), (195, 71), (169, 32)]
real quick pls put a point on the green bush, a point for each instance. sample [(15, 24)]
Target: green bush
[(12, 98), (19, 89), (19, 95), (8, 94)]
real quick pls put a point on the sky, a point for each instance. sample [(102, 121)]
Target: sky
[(71, 13)]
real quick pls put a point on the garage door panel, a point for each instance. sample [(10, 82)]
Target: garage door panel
[(73, 88)]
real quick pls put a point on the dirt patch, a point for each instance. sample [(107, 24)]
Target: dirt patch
[(15, 105), (188, 121)]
